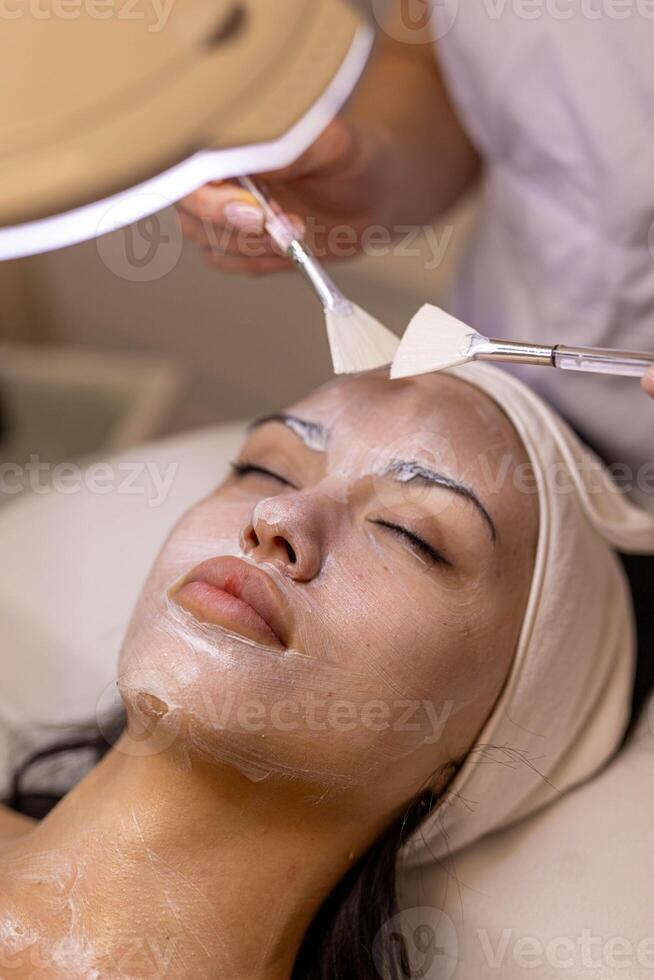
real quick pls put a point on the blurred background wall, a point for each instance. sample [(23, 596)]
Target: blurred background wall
[(242, 345)]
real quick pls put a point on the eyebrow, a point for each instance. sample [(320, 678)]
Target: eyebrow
[(314, 435), (406, 471)]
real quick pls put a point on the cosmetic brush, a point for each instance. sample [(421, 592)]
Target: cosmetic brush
[(434, 340), (357, 341)]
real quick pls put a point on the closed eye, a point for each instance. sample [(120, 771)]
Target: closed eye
[(246, 469), (424, 547)]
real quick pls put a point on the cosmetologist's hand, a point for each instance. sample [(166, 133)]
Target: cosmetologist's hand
[(398, 157), (648, 382), (331, 193)]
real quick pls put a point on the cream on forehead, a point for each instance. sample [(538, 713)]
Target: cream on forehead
[(435, 438)]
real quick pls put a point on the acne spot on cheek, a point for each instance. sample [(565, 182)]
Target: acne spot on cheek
[(151, 706)]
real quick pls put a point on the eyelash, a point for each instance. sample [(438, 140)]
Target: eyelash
[(245, 469), (426, 549)]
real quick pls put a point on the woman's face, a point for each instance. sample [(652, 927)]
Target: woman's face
[(341, 613)]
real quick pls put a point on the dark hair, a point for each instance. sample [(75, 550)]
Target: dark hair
[(45, 776), (339, 943)]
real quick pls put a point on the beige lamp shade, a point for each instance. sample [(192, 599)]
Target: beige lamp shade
[(104, 96)]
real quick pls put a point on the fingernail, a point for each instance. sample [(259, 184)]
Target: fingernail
[(245, 217), (299, 225)]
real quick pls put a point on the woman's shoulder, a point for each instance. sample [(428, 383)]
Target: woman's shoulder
[(13, 824)]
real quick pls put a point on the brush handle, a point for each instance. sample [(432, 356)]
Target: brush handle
[(284, 234), (630, 364), (280, 228), (595, 360)]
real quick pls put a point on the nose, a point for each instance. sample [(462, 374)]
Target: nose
[(285, 532)]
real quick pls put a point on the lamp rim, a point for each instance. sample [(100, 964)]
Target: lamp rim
[(92, 220)]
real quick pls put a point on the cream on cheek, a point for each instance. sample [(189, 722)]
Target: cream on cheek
[(379, 669), (422, 632)]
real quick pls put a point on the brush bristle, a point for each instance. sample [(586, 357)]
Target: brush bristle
[(433, 341), (358, 342)]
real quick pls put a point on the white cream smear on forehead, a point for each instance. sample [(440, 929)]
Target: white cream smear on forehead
[(404, 436)]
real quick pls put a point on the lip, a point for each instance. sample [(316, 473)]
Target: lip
[(232, 593)]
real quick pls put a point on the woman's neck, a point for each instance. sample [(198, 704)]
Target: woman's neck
[(155, 866)]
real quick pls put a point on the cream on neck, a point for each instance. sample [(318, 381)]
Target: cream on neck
[(152, 868)]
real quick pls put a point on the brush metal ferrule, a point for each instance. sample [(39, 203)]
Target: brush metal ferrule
[(328, 292), (506, 350), (284, 233)]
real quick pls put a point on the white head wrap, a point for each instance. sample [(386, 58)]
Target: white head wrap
[(565, 703)]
